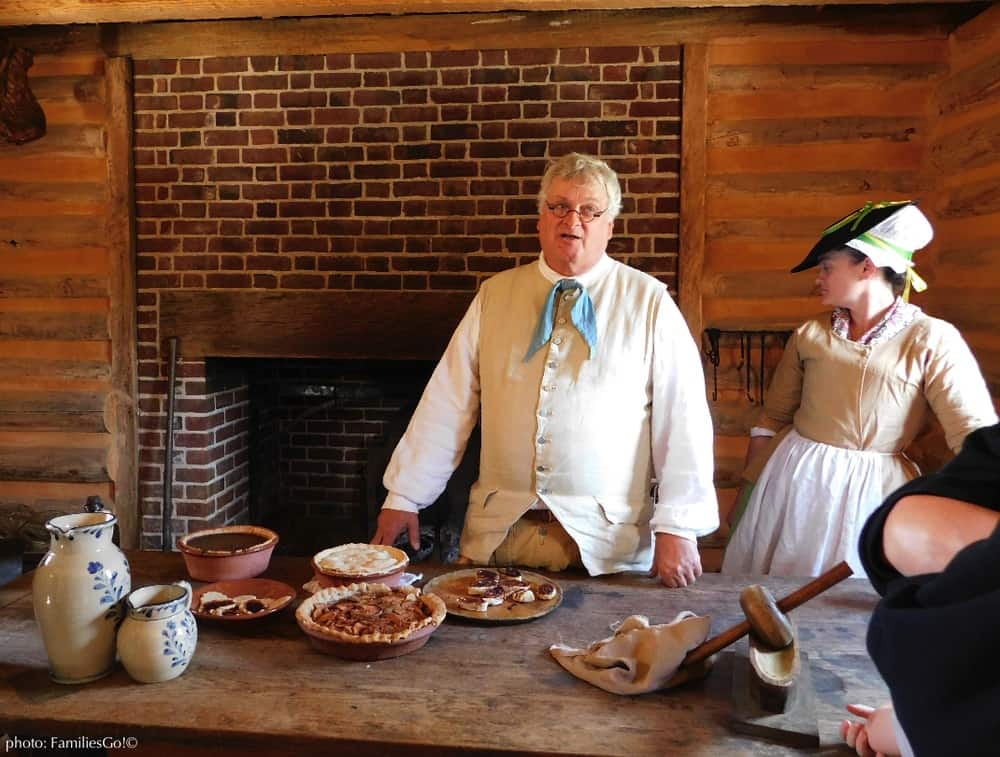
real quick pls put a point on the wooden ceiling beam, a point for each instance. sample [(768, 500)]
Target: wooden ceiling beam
[(547, 30), (49, 12)]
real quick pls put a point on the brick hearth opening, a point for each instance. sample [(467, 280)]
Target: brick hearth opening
[(320, 433), (289, 444)]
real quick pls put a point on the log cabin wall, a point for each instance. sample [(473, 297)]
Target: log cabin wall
[(67, 289), (964, 175)]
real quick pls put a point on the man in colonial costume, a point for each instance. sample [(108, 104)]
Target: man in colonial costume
[(587, 385)]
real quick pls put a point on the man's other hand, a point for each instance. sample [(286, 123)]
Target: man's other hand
[(676, 561), (391, 523)]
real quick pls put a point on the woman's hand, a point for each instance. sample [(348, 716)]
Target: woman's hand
[(875, 735)]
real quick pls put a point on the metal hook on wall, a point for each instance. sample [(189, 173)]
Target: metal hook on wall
[(713, 358), (748, 365), (760, 382), (745, 367)]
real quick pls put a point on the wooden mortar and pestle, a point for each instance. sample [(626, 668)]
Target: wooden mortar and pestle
[(765, 617)]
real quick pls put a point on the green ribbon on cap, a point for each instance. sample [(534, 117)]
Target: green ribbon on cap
[(912, 277), (858, 215)]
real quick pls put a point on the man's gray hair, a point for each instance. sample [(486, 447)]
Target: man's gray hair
[(583, 168)]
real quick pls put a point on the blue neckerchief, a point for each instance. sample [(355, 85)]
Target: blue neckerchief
[(582, 315)]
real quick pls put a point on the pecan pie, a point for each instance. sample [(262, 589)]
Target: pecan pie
[(369, 613)]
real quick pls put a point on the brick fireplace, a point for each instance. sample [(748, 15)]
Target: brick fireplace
[(330, 214)]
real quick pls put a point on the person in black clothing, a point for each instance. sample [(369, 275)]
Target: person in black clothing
[(932, 550)]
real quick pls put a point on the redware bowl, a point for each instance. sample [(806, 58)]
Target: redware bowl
[(228, 553)]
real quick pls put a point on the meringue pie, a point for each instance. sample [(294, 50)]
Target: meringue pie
[(360, 560)]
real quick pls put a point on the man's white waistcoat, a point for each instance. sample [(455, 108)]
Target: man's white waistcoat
[(566, 428)]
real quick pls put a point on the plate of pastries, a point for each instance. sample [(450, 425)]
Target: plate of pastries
[(241, 599), (499, 595)]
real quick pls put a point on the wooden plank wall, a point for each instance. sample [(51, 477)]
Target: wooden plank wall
[(65, 407), (800, 129), (964, 167)]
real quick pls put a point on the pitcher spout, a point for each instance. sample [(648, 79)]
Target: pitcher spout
[(67, 526)]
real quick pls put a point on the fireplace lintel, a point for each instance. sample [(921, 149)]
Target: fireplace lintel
[(339, 325)]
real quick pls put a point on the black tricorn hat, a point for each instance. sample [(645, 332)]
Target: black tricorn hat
[(849, 227)]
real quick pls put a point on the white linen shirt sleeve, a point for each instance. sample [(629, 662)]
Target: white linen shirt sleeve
[(439, 430), (682, 438)]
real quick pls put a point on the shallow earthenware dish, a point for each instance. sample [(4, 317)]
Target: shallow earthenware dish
[(228, 553), (262, 588)]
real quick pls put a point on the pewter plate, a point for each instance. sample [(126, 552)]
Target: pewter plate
[(451, 586)]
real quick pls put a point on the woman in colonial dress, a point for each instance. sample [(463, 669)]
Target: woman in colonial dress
[(850, 393)]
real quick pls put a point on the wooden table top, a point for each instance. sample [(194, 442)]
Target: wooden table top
[(260, 686)]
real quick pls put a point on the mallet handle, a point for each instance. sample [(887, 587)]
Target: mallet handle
[(817, 586)]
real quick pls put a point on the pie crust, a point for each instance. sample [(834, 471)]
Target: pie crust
[(365, 613)]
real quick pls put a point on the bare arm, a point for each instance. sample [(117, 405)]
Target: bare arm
[(923, 533), (754, 450), (757, 445)]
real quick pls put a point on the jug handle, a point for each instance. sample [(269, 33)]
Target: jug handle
[(95, 504)]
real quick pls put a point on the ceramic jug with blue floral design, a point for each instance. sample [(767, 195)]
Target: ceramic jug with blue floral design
[(78, 593), (159, 633)]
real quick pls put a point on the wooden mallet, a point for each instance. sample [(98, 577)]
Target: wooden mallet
[(767, 617)]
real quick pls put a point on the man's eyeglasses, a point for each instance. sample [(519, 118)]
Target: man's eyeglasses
[(586, 213)]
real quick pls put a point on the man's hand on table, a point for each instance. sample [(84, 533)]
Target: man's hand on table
[(676, 561), (391, 523)]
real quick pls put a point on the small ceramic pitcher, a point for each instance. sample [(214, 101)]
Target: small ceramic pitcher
[(77, 593), (157, 639)]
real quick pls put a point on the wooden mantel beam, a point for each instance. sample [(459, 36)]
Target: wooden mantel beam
[(462, 31), (48, 12)]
